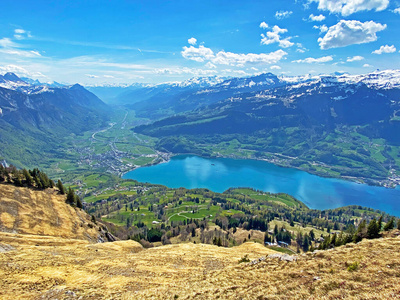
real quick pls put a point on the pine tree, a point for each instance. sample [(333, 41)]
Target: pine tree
[(28, 177), (380, 224), (373, 229), (70, 197), (78, 202), (361, 232), (60, 187), (389, 225)]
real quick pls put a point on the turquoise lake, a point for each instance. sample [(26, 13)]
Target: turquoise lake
[(219, 174)]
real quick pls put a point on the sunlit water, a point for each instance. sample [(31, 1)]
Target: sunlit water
[(219, 174)]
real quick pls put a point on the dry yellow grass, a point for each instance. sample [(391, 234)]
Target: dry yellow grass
[(53, 267), (29, 211)]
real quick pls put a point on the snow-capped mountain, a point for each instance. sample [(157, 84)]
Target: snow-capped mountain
[(27, 85), (12, 82)]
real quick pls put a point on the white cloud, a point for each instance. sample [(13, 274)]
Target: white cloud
[(192, 41), (311, 60), (355, 58), (263, 25), (274, 36), (180, 71), (211, 65), (9, 47), (347, 33), (8, 43), (319, 18), (275, 67), (199, 54), (229, 58), (322, 28), (282, 14), (19, 31), (20, 71), (21, 34), (108, 76), (397, 10), (367, 66), (202, 54), (348, 7), (385, 49), (21, 53)]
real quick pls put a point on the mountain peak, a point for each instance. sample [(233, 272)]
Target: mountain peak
[(12, 77)]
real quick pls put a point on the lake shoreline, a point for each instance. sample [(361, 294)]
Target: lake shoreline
[(358, 180), (220, 173)]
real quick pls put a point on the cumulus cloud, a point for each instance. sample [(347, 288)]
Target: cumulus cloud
[(319, 18), (367, 66), (385, 49), (91, 76), (348, 7), (229, 58), (274, 36), (282, 14), (192, 41), (311, 60), (397, 10), (202, 54), (322, 28), (347, 33), (199, 54), (263, 25), (355, 58)]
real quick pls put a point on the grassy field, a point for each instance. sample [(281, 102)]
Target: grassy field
[(278, 198)]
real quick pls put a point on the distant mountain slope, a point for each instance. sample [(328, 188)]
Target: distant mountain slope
[(325, 102), (35, 118), (164, 100), (303, 118)]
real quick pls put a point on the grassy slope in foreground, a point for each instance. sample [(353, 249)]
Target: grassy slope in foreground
[(31, 211), (49, 267)]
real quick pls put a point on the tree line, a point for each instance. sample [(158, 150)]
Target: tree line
[(36, 179)]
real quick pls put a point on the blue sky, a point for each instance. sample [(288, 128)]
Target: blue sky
[(96, 42)]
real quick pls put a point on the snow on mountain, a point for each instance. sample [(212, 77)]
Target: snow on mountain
[(27, 85), (386, 79), (12, 82)]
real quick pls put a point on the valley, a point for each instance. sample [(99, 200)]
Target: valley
[(200, 150)]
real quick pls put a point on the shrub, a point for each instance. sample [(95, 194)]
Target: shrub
[(244, 259), (353, 266)]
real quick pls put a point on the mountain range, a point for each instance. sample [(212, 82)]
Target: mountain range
[(332, 125), (35, 118), (333, 120)]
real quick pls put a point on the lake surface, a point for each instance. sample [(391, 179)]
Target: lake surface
[(219, 174)]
